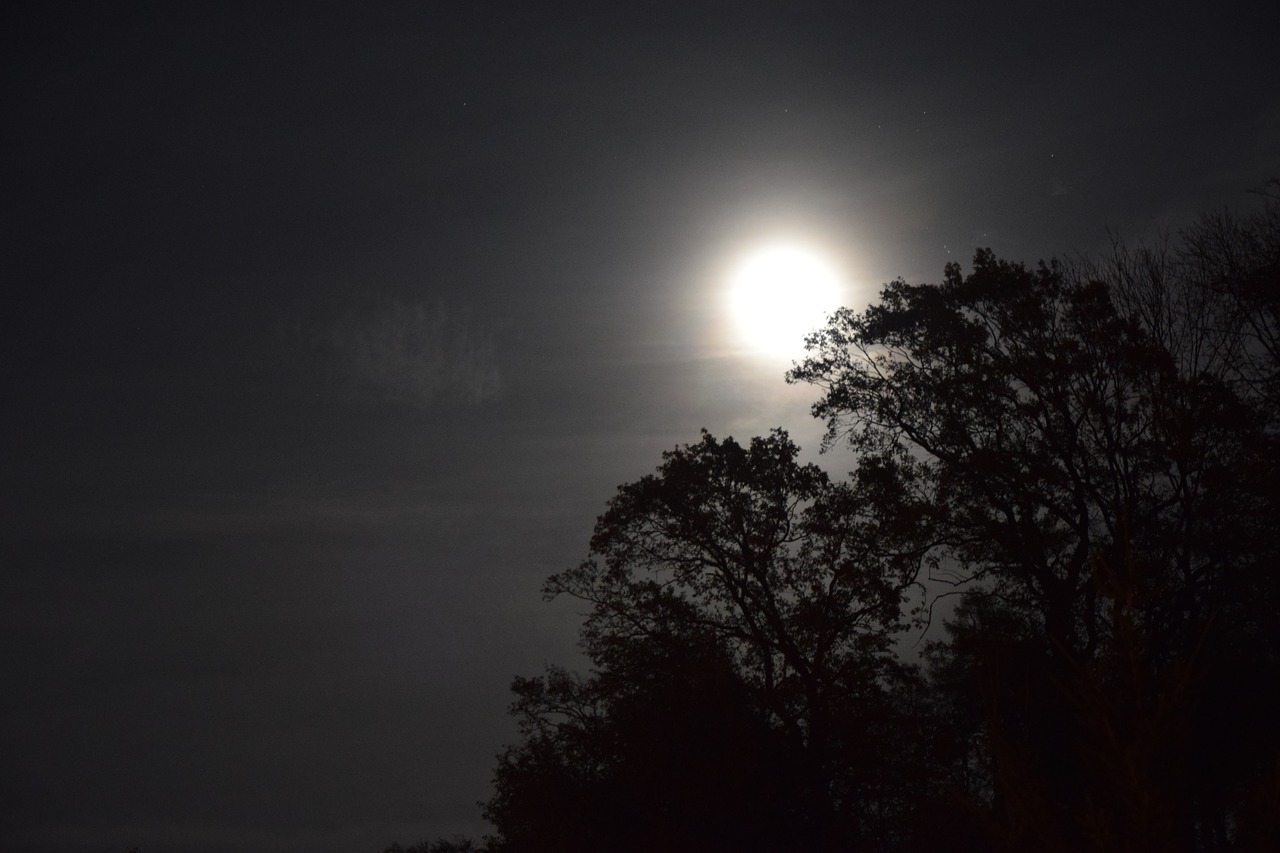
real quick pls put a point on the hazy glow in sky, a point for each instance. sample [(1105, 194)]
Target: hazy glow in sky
[(779, 294)]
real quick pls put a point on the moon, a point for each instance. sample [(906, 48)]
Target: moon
[(778, 295)]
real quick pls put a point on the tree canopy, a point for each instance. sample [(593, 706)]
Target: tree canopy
[(749, 603), (1098, 442)]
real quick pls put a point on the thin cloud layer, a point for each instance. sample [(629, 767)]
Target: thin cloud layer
[(415, 354)]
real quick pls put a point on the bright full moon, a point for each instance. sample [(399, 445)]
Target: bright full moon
[(779, 295)]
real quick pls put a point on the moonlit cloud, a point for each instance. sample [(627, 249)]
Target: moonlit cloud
[(416, 354)]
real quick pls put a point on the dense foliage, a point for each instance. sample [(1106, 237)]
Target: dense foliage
[(1076, 463), (743, 613)]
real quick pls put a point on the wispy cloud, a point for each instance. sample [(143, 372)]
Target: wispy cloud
[(417, 354)]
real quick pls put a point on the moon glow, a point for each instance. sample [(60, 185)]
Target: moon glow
[(780, 294)]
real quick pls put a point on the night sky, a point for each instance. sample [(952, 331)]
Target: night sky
[(329, 330)]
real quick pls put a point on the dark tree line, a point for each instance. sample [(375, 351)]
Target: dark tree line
[(1077, 463)]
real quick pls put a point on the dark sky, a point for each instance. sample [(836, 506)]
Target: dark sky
[(328, 331)]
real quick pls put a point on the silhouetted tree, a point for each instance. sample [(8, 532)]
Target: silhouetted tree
[(677, 759), (742, 605), (1098, 445)]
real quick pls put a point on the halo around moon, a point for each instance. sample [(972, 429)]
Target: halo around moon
[(779, 294)]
